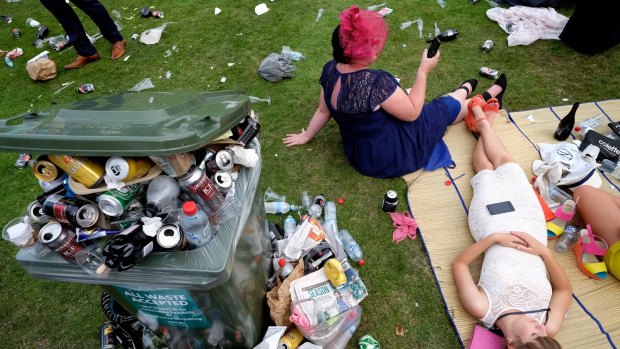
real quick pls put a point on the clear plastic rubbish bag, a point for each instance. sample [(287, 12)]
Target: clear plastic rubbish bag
[(276, 67)]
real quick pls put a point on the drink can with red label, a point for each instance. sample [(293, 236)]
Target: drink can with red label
[(200, 188), (59, 240), (78, 213), (86, 88), (489, 73)]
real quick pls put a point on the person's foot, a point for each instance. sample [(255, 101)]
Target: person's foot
[(475, 113), (468, 85), (81, 61), (118, 49), (497, 89), (490, 109)]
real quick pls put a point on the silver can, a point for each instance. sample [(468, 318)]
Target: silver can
[(200, 188), (170, 237), (223, 181), (489, 73), (486, 46), (35, 213), (222, 160)]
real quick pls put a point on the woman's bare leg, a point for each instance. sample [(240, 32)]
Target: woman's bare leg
[(480, 160), (493, 147), (461, 96), (601, 210)]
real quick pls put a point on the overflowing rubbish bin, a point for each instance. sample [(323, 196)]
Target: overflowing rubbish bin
[(95, 228)]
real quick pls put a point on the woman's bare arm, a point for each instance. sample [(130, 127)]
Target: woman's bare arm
[(319, 120)]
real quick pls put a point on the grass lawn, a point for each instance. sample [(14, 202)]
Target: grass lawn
[(50, 314)]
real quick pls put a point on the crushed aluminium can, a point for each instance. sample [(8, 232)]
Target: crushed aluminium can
[(16, 33), (86, 88), (486, 46), (489, 73), (108, 339)]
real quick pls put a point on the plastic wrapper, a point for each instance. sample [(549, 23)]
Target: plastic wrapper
[(276, 67), (327, 330)]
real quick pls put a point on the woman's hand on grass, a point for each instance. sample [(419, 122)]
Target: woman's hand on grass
[(292, 139)]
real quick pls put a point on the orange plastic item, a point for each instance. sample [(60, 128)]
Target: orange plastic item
[(548, 213)]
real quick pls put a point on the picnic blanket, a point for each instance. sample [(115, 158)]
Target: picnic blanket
[(438, 200)]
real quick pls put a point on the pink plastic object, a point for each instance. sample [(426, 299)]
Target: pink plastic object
[(566, 211), (406, 226)]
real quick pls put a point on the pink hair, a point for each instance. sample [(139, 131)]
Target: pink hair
[(363, 33)]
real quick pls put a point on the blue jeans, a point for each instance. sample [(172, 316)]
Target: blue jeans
[(73, 27)]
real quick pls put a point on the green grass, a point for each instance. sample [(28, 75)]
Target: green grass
[(49, 314)]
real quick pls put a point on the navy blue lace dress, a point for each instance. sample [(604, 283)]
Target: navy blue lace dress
[(376, 143)]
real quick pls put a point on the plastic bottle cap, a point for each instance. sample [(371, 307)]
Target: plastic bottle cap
[(281, 262), (190, 208), (341, 200), (361, 262), (293, 207), (577, 128)]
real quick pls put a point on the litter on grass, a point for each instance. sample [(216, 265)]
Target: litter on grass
[(64, 85), (217, 11), (319, 14), (256, 100), (153, 35), (261, 9), (142, 85)]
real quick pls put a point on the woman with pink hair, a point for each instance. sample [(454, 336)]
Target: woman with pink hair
[(385, 132)]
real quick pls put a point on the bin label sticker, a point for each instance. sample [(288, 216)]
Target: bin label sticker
[(174, 308)]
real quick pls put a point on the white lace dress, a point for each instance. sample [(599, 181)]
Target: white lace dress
[(510, 278)]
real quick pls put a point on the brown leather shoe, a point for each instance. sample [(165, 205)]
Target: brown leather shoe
[(118, 49), (81, 61)]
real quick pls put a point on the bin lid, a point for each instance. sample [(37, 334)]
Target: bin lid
[(130, 123)]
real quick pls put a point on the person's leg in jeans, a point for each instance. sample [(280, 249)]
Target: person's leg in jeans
[(98, 13), (72, 26)]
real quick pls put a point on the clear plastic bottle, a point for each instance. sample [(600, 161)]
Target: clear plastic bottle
[(611, 167), (195, 224), (315, 210), (279, 207), (567, 239), (162, 195), (330, 217), (285, 268), (306, 200), (290, 226), (341, 341), (590, 123), (351, 247), (290, 54), (558, 195)]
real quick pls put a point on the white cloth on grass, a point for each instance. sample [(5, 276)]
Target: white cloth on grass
[(524, 25)]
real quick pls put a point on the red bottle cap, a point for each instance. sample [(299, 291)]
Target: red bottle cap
[(361, 262), (577, 128), (341, 200), (281, 262), (190, 208)]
